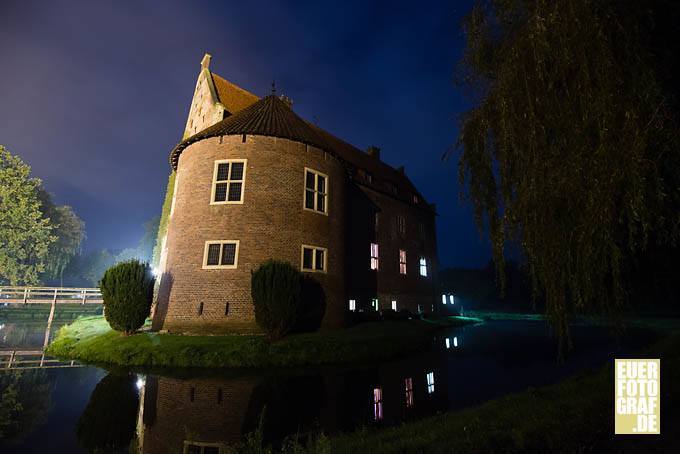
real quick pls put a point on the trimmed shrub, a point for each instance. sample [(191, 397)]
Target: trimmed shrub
[(312, 306), (276, 291), (127, 290)]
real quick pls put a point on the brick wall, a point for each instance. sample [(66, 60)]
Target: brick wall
[(271, 223)]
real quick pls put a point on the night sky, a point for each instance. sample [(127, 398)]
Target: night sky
[(94, 95)]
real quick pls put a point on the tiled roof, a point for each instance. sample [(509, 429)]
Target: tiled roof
[(270, 116), (232, 97)]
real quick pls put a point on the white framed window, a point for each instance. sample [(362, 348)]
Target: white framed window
[(394, 305), (408, 385), (316, 191), (430, 382), (402, 261), (374, 303), (423, 267), (229, 179), (374, 256), (197, 447), (352, 305), (314, 259), (221, 254)]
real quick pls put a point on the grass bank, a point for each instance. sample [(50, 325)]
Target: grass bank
[(575, 415), (91, 340)]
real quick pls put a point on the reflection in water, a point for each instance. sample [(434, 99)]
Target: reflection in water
[(192, 415), (25, 398), (108, 422)]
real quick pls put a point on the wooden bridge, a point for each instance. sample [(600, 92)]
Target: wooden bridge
[(50, 295), (34, 359), (31, 359)]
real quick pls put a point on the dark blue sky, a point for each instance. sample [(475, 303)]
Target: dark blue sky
[(94, 95)]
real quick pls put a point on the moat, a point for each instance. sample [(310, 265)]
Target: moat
[(71, 409)]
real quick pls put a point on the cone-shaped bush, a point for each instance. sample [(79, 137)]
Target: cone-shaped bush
[(276, 292), (127, 290)]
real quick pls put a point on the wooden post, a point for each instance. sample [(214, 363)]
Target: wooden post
[(84, 296), (25, 294), (11, 359), (49, 320)]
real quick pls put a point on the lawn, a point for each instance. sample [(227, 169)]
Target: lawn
[(91, 340)]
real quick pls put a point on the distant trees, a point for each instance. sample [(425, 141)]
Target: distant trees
[(571, 150), (25, 234), (127, 291)]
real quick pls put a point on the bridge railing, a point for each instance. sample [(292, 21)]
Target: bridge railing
[(49, 295), (31, 359)]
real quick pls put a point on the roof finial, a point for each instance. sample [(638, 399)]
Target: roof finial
[(274, 87)]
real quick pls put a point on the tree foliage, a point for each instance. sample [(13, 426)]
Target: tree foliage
[(25, 235), (571, 148), (276, 290), (69, 231), (127, 290)]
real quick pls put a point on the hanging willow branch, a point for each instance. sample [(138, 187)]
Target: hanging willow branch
[(565, 150)]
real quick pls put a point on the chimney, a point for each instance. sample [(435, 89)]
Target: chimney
[(287, 101), (373, 152), (205, 63)]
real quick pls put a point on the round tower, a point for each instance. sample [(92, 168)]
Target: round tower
[(258, 185)]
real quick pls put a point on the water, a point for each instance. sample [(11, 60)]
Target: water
[(76, 409)]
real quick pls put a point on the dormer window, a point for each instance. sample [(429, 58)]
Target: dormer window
[(391, 187), (316, 191), (229, 179), (416, 199)]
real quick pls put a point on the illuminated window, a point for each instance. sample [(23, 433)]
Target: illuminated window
[(374, 256), (316, 191), (374, 303), (408, 385), (229, 178), (402, 261), (448, 343), (220, 254), (352, 305), (443, 299), (430, 382), (394, 305), (423, 267), (451, 299), (314, 259), (455, 341), (377, 404), (420, 309), (401, 225)]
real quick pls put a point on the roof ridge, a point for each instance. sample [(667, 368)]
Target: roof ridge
[(233, 85)]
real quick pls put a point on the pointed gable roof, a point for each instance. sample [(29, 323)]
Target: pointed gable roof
[(231, 96)]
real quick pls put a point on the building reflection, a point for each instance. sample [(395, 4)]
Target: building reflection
[(205, 415)]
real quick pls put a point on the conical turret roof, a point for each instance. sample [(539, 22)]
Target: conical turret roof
[(270, 116)]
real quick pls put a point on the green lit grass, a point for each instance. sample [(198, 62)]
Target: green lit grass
[(91, 340)]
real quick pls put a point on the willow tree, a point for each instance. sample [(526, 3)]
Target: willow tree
[(571, 148)]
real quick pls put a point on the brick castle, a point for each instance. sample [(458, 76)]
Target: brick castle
[(254, 181)]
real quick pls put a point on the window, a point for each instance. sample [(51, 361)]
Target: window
[(402, 261), (316, 191), (374, 303), (374, 256), (451, 299), (416, 199), (376, 222), (196, 447), (401, 225), (408, 385), (352, 305), (430, 382), (377, 404), (443, 299), (394, 305), (423, 267), (221, 254), (391, 187), (314, 259), (228, 179)]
